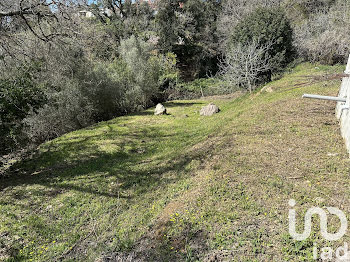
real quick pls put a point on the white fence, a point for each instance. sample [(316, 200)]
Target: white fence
[(343, 108)]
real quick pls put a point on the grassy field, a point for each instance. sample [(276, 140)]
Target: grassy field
[(182, 187)]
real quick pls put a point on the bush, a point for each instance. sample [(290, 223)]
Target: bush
[(65, 111), (145, 70), (99, 90), (18, 96), (268, 27), (325, 35), (234, 11)]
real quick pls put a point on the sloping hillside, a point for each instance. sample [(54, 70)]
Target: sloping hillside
[(182, 187)]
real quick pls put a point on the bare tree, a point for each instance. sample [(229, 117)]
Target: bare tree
[(244, 65), (25, 22), (35, 15)]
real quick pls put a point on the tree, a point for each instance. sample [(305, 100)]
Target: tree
[(233, 11), (188, 28), (244, 65), (36, 14), (266, 26), (167, 24), (118, 7), (18, 96), (24, 23)]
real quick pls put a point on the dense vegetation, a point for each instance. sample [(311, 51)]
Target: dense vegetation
[(62, 70)]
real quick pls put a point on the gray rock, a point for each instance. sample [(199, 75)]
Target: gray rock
[(160, 110), (209, 110)]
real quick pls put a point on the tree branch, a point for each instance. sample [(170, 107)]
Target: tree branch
[(15, 13)]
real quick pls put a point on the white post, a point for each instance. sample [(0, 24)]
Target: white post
[(345, 116), (347, 70), (330, 98)]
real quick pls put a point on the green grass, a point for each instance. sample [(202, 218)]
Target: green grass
[(207, 87), (182, 187)]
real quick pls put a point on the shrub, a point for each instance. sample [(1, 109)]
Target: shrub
[(145, 69), (324, 36), (18, 96), (100, 90), (266, 27), (65, 111), (234, 11)]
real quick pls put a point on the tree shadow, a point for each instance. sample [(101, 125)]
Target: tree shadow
[(143, 113), (137, 165), (181, 104), (133, 165)]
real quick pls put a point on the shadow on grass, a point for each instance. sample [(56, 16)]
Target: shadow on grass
[(143, 113), (179, 104), (140, 158), (133, 165)]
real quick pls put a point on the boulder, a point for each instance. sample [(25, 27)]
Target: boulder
[(160, 110), (209, 110)]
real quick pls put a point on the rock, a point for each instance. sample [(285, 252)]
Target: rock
[(267, 89), (209, 110), (160, 110)]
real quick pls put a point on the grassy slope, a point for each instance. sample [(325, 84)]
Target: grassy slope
[(167, 188)]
